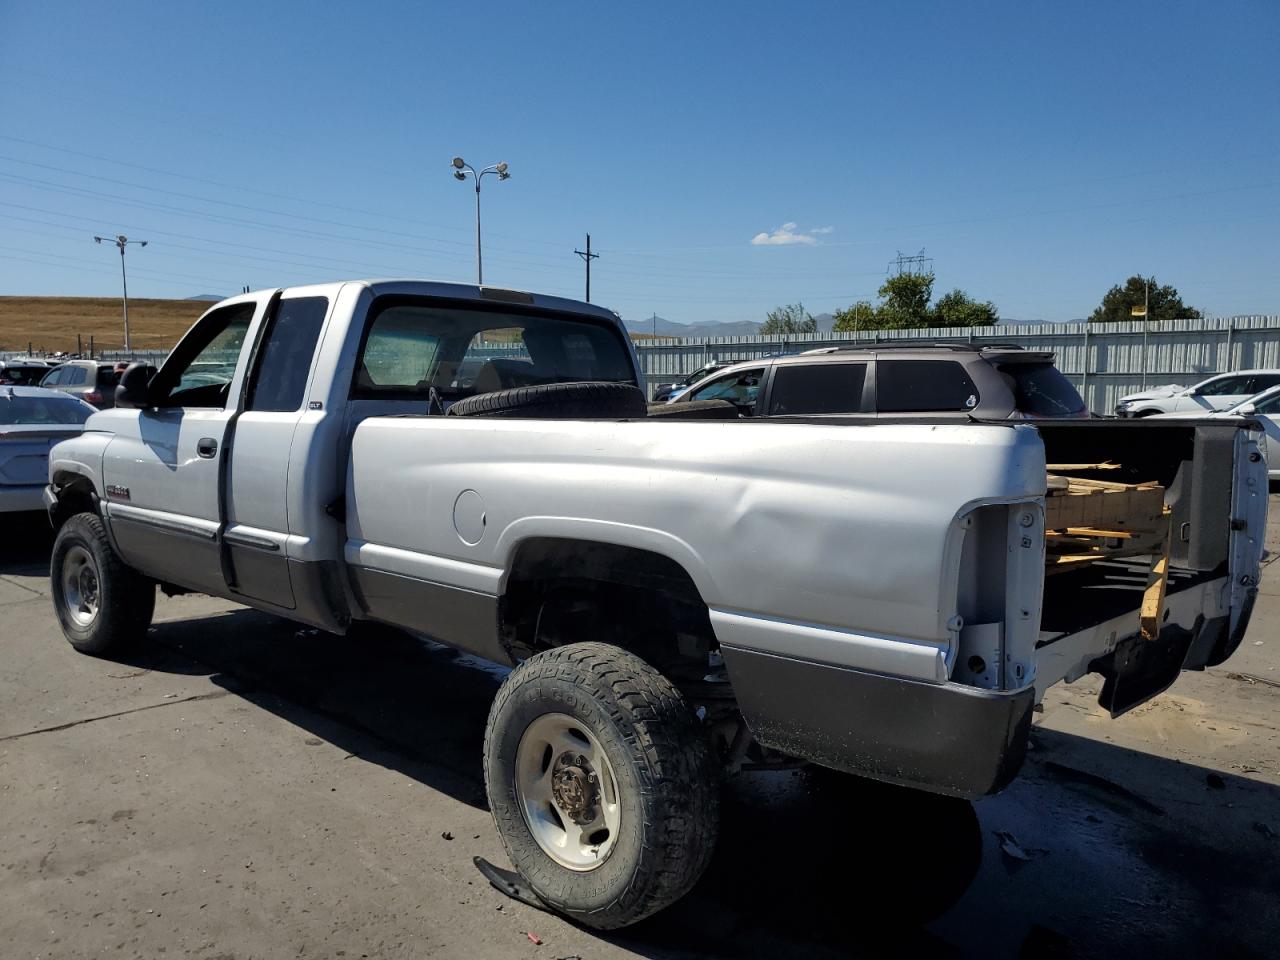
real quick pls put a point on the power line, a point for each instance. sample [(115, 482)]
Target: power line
[(587, 256)]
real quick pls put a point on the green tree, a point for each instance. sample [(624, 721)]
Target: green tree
[(1163, 303), (958, 309), (906, 300), (792, 318), (860, 316)]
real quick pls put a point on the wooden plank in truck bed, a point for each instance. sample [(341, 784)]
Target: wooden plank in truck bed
[(1102, 505)]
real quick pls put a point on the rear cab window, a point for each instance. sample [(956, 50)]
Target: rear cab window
[(1041, 390), (924, 386), (415, 345), (817, 388)]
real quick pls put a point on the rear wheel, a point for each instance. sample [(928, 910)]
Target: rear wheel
[(103, 605), (601, 784)]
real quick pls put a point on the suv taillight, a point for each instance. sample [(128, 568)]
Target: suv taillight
[(93, 396)]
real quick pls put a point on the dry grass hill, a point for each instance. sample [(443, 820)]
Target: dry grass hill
[(52, 323)]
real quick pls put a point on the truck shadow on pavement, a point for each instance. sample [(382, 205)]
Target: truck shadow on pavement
[(1095, 850)]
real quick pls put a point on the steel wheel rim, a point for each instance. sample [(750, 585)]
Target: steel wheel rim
[(567, 792), (80, 586)]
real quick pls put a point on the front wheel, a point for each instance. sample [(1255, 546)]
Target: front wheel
[(601, 784), (103, 605)]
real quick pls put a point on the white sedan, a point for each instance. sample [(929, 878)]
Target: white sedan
[(32, 420), (1264, 407), (1217, 393)]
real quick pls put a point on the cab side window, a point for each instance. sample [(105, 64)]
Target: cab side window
[(285, 360), (740, 388), (199, 371)]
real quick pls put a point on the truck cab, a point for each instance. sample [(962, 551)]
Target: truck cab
[(224, 473)]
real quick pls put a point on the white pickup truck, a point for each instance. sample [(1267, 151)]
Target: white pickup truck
[(678, 598)]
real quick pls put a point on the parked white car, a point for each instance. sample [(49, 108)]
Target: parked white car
[(1265, 408), (1217, 393)]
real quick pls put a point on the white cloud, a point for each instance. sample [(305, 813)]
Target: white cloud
[(786, 235)]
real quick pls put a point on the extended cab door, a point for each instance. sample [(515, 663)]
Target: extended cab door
[(260, 476), (161, 469)]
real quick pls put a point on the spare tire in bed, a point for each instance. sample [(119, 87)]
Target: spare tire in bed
[(695, 410), (565, 401)]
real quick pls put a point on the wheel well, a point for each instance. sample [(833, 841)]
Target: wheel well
[(565, 591), (75, 495)]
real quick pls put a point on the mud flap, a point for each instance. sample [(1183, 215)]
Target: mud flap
[(1139, 669)]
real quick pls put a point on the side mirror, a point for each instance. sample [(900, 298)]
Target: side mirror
[(133, 388), (1247, 409)]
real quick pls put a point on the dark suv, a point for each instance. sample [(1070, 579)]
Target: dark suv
[(898, 381), (91, 381)]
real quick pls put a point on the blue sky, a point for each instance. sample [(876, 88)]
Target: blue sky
[(1037, 152)]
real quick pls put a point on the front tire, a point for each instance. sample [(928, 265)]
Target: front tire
[(103, 605), (601, 784)]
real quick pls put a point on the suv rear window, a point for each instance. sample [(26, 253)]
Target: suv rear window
[(1040, 389), (918, 386), (804, 388)]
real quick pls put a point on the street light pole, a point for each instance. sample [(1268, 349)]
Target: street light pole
[(122, 241), (460, 170)]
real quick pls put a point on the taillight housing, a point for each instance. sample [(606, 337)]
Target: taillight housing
[(94, 397)]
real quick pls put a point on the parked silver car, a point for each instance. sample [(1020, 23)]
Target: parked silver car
[(31, 421)]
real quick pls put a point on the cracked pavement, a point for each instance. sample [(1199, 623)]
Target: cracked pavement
[(243, 788)]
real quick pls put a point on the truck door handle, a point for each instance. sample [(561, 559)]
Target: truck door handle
[(206, 447)]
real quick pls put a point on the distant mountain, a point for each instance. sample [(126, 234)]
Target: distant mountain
[(206, 296), (692, 331)]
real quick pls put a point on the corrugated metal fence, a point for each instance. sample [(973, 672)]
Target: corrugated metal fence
[(1104, 361)]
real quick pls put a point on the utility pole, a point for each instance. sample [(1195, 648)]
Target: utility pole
[(122, 241), (655, 326), (587, 256)]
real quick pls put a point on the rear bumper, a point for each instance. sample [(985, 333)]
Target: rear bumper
[(21, 498), (943, 737)]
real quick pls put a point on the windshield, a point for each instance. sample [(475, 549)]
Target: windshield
[(51, 410), (1040, 390), (413, 347)]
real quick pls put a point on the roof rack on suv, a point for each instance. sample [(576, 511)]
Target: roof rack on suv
[(961, 346)]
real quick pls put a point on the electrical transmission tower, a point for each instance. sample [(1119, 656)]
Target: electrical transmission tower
[(587, 257), (911, 265)]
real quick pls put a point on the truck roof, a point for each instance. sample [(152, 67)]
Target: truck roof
[(455, 291)]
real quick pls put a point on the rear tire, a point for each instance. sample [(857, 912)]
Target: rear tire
[(587, 744), (103, 605)]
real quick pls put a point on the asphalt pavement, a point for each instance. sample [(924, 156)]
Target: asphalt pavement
[(243, 788)]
